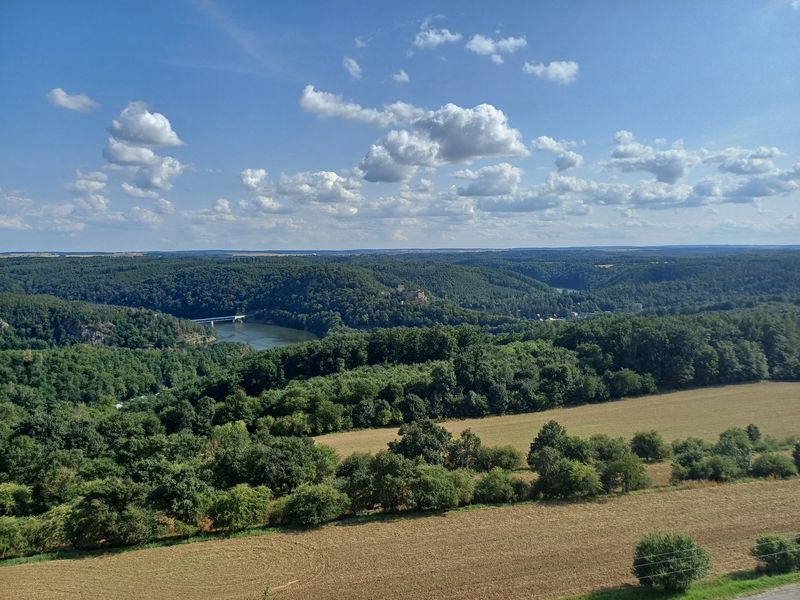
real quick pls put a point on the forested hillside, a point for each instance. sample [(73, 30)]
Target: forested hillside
[(49, 322), (320, 293)]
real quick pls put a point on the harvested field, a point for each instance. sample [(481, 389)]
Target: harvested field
[(531, 551), (773, 406)]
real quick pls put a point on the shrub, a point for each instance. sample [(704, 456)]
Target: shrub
[(51, 531), (313, 505), (495, 487), (777, 553), (137, 525), (774, 465), (16, 537), (464, 452), (464, 483), (669, 561), (719, 468), (753, 432), (736, 444), (504, 457), (91, 522), (650, 446), (565, 478), (240, 507), (422, 438), (355, 479), (434, 488), (15, 499), (624, 473), (796, 455), (522, 489), (392, 480)]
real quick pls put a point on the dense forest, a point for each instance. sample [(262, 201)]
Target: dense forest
[(115, 428), (320, 293), (48, 322)]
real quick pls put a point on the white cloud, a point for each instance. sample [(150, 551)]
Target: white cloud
[(89, 189), (495, 180), (139, 126), (567, 160), (561, 71), (401, 76), (320, 186), (428, 37), (468, 133), (352, 67), (262, 205), (158, 176), (219, 212), (545, 143), (486, 46), (254, 180), (121, 153), (143, 217), (742, 161), (138, 192), (668, 166), (328, 105), (163, 206), (76, 102), (450, 134)]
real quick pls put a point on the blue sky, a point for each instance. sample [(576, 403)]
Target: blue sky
[(220, 124)]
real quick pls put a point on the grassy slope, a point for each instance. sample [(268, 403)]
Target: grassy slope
[(773, 406), (730, 586)]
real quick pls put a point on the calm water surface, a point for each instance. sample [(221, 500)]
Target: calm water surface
[(261, 336)]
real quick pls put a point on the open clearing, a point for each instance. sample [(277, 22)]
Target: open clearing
[(531, 551), (705, 412)]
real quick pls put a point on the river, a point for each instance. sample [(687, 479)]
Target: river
[(261, 336)]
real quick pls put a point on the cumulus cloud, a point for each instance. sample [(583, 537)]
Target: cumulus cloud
[(450, 134), (401, 76), (742, 161), (163, 206), (77, 102), (629, 156), (142, 217), (352, 67), (468, 133), (560, 71), (320, 186), (566, 158), (219, 212), (428, 37), (495, 180), (138, 192), (139, 126), (254, 180), (118, 152), (90, 190), (486, 46), (262, 205), (158, 176), (327, 105)]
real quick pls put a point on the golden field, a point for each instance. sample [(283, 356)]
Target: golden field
[(704, 412)]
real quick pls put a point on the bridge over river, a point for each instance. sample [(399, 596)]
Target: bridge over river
[(212, 320)]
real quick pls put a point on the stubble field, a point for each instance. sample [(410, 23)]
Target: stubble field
[(531, 551), (705, 412)]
